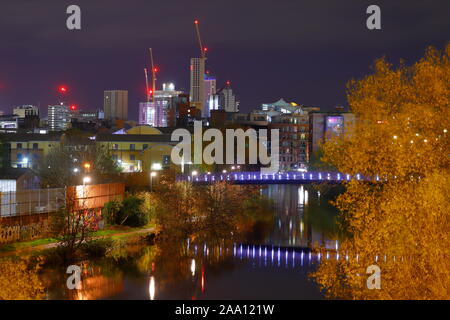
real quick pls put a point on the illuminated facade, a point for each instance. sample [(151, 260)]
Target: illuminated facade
[(156, 113), (141, 149), (210, 90), (27, 149), (58, 117), (294, 136), (324, 125), (153, 113), (139, 152)]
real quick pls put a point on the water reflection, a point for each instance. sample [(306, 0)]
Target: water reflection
[(151, 288), (302, 220), (270, 263)]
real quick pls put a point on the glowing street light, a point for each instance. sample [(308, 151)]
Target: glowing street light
[(86, 180), (156, 166), (194, 173), (193, 267), (152, 288), (152, 174)]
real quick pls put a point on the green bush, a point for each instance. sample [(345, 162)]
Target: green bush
[(110, 211), (97, 248), (130, 212)]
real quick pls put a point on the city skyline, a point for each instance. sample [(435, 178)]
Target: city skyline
[(246, 51), (284, 151)]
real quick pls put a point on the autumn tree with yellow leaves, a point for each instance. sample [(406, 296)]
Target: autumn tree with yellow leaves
[(400, 221), (19, 280)]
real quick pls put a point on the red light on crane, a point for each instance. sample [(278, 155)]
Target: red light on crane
[(205, 49), (150, 92), (196, 21), (155, 69), (73, 107), (62, 89)]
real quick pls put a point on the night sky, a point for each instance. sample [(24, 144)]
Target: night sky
[(302, 50)]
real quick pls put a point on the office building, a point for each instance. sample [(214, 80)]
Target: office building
[(153, 113), (115, 104), (325, 125), (58, 117), (157, 112), (28, 116), (294, 138), (23, 111), (9, 123), (229, 102), (210, 90), (224, 99), (197, 90)]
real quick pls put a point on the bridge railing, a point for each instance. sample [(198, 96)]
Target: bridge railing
[(254, 177)]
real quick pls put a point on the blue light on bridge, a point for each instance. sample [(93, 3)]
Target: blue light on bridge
[(285, 177)]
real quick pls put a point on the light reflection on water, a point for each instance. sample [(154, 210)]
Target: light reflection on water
[(270, 264)]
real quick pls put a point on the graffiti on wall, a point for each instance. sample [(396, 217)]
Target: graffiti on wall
[(18, 232)]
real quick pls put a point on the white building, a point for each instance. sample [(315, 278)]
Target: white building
[(229, 100), (210, 90), (224, 99), (58, 117), (25, 110), (155, 113)]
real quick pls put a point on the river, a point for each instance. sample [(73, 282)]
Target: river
[(271, 263)]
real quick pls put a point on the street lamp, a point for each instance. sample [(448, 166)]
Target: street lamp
[(86, 180), (87, 166), (152, 174), (194, 173), (25, 160), (156, 166)]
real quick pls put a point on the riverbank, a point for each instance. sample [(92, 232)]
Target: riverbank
[(48, 243)]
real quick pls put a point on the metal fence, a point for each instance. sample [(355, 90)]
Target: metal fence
[(30, 202), (38, 201)]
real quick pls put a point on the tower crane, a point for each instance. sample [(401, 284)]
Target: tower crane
[(203, 50), (154, 70), (146, 84)]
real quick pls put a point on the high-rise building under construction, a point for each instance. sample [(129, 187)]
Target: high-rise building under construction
[(197, 92)]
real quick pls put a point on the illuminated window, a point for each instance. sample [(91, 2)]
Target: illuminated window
[(166, 160)]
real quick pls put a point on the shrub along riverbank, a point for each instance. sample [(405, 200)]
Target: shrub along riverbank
[(174, 211)]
